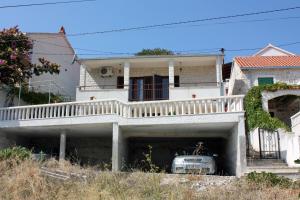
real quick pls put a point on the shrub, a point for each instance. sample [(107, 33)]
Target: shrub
[(149, 166), (270, 179), (17, 153), (297, 161), (256, 116)]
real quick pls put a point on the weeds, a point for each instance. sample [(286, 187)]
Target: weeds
[(16, 153)]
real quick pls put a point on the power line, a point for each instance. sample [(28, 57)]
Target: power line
[(241, 21), (213, 50), (46, 3), (184, 22)]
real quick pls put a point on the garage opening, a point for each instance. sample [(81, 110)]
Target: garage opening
[(92, 151), (164, 151), (47, 144)]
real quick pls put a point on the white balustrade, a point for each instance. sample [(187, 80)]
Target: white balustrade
[(127, 110)]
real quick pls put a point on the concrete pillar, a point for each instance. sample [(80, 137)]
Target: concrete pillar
[(219, 78), (62, 146), (119, 148), (241, 159), (116, 160), (126, 75), (171, 74)]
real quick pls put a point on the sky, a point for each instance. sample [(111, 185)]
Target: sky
[(199, 37)]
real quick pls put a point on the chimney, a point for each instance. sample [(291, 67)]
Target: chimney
[(62, 30)]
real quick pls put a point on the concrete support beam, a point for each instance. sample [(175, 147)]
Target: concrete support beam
[(241, 160), (126, 75), (62, 146), (116, 160), (119, 148), (171, 74)]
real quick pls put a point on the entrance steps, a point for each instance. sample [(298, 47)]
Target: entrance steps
[(265, 162), (275, 166)]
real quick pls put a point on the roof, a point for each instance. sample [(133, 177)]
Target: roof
[(268, 61), (270, 47), (152, 56)]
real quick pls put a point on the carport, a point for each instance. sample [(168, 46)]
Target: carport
[(84, 145), (165, 149), (167, 141)]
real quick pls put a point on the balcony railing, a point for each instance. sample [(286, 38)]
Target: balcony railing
[(126, 110)]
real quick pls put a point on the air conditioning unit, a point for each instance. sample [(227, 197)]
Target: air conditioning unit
[(106, 71)]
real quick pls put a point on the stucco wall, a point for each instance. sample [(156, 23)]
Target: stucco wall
[(105, 94), (16, 99), (200, 81), (296, 123), (55, 48), (188, 75), (236, 149), (250, 77), (289, 145)]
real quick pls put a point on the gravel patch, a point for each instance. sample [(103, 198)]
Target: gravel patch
[(198, 182)]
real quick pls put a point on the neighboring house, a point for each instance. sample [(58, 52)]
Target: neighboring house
[(56, 48), (268, 66), (125, 104)]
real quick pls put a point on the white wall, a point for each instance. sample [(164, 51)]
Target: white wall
[(106, 94), (16, 100), (296, 123), (250, 78), (179, 93), (200, 81), (289, 145), (55, 48)]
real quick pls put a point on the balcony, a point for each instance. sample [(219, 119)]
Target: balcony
[(130, 79), (151, 109)]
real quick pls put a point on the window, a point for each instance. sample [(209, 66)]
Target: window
[(265, 80)]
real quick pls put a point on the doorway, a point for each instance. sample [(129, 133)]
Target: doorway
[(149, 88)]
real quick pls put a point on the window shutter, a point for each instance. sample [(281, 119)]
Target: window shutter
[(120, 82), (176, 81), (265, 80)]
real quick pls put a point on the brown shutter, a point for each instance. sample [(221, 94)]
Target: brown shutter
[(176, 81), (120, 82)]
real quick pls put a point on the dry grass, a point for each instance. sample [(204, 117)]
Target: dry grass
[(24, 181)]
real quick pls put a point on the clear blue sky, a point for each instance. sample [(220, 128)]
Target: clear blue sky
[(112, 14)]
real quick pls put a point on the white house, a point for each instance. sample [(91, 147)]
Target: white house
[(125, 104), (271, 65), (56, 48)]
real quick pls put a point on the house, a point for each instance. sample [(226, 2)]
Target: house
[(268, 66), (124, 104), (55, 48)]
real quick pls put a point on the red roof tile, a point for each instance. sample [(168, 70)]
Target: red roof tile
[(268, 61)]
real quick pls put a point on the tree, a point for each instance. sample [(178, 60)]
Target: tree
[(156, 51), (15, 63)]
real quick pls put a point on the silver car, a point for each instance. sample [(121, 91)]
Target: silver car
[(199, 164)]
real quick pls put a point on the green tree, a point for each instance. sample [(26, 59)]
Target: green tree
[(156, 51), (15, 62)]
